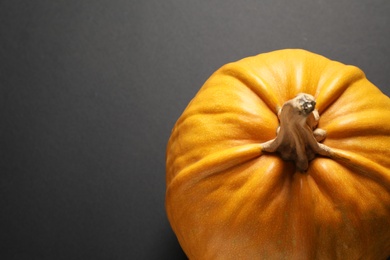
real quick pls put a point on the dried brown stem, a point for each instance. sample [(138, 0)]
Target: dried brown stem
[(297, 136)]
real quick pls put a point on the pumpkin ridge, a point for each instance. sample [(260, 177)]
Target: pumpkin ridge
[(336, 84), (321, 178), (218, 161), (319, 188), (364, 166), (254, 82), (360, 123)]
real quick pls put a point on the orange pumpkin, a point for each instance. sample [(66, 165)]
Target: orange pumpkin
[(255, 170)]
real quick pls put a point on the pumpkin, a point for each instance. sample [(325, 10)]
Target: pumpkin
[(283, 155)]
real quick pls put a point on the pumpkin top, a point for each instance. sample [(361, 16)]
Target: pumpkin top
[(228, 198), (239, 103)]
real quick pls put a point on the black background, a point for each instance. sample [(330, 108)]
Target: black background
[(91, 89)]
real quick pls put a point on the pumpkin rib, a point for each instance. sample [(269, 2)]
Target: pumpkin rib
[(360, 123), (375, 149), (305, 75), (354, 99), (364, 166), (317, 185), (252, 81), (230, 211), (336, 84), (324, 174), (217, 162), (283, 70), (242, 190), (204, 124), (356, 199), (270, 182)]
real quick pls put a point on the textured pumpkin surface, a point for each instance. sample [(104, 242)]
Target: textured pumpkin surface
[(226, 199)]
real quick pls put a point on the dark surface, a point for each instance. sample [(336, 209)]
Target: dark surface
[(91, 89)]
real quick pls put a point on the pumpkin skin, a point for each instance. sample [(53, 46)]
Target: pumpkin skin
[(227, 199)]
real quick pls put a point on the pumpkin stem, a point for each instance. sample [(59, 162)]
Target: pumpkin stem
[(297, 137)]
